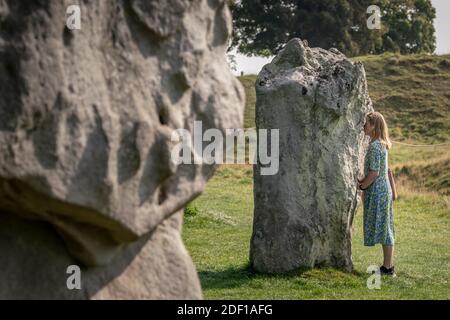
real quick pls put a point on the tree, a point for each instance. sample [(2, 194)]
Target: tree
[(410, 24), (262, 27)]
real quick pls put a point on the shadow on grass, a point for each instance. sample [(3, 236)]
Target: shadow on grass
[(237, 276)]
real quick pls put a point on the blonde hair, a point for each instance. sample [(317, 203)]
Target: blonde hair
[(376, 119)]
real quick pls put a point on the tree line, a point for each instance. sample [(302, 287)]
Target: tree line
[(262, 27)]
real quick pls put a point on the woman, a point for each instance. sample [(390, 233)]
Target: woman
[(378, 213)]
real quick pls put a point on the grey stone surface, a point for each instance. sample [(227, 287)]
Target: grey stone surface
[(34, 262), (86, 118), (303, 214)]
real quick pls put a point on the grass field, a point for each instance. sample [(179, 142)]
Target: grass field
[(218, 224), (217, 235)]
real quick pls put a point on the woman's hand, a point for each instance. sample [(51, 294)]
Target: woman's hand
[(358, 184), (368, 180)]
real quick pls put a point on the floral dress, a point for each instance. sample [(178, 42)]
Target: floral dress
[(378, 213)]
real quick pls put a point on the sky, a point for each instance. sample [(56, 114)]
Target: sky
[(252, 65)]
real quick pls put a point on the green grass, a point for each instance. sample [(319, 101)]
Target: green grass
[(412, 92), (248, 82), (423, 168), (427, 174), (218, 239)]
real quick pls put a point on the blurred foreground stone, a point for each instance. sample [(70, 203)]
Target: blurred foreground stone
[(86, 118)]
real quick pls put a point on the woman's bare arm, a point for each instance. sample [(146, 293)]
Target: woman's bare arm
[(369, 179)]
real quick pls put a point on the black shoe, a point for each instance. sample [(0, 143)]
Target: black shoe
[(388, 272)]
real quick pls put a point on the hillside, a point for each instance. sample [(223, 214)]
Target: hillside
[(413, 92)]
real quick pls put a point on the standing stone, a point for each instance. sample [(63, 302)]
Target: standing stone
[(303, 214), (86, 121)]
